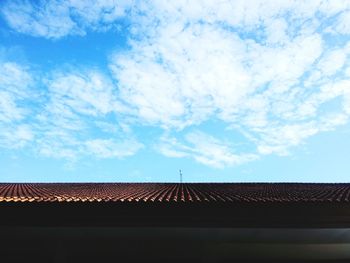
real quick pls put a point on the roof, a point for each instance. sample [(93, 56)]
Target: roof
[(173, 192), (171, 204)]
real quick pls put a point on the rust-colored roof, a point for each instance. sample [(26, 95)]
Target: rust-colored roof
[(172, 192)]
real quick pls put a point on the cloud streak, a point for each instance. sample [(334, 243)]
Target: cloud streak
[(204, 149), (15, 91), (60, 18)]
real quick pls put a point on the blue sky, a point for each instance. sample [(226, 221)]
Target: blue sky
[(133, 91)]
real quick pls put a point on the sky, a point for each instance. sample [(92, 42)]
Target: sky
[(134, 91)]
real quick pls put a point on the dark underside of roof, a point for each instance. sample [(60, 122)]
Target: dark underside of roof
[(175, 222)]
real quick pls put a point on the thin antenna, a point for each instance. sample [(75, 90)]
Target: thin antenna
[(180, 176)]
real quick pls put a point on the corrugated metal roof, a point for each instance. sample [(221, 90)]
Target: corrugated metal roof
[(172, 192)]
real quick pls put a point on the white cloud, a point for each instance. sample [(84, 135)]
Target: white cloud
[(190, 82), (109, 148), (75, 117), (343, 23), (14, 78), (265, 69), (276, 31), (80, 118), (204, 149), (256, 65), (15, 90), (278, 139), (332, 62), (90, 93), (9, 111), (75, 97), (59, 18), (347, 72), (71, 146), (15, 136)]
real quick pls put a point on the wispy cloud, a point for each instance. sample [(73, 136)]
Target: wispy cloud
[(59, 18), (110, 148), (15, 91), (204, 149), (75, 117), (343, 23), (80, 118)]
